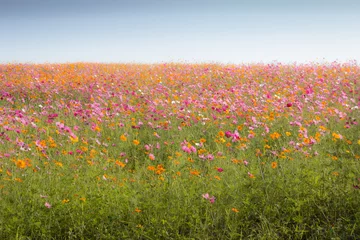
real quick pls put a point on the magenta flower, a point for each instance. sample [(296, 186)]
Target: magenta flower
[(228, 134), (212, 199), (220, 169)]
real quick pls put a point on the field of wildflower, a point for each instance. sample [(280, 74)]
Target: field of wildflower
[(179, 151)]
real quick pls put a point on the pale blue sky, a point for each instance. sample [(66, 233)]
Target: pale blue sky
[(147, 31)]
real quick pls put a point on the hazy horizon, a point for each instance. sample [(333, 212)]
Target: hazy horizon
[(140, 31)]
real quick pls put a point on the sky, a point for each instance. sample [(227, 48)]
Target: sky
[(190, 31)]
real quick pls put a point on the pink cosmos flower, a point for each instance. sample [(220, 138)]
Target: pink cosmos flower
[(47, 205), (193, 149), (210, 157), (186, 149), (206, 196), (228, 134)]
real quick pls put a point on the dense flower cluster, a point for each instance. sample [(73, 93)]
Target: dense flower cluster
[(172, 121)]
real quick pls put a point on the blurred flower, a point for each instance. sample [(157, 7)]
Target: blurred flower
[(123, 138), (235, 210), (274, 165)]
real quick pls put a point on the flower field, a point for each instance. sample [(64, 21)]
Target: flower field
[(179, 151)]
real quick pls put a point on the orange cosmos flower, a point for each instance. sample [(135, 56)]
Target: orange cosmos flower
[(274, 165), (235, 210), (20, 164), (123, 138)]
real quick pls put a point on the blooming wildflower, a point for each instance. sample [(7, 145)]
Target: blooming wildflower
[(195, 172), (251, 175), (137, 210), (136, 142), (123, 138), (235, 210), (336, 136), (96, 128), (74, 138), (18, 179), (21, 164), (151, 156), (228, 134), (159, 169), (121, 164), (47, 205), (275, 135), (274, 165), (212, 199), (220, 169), (65, 201), (58, 164), (151, 168), (206, 195)]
